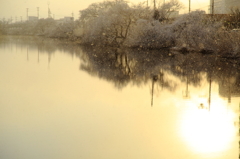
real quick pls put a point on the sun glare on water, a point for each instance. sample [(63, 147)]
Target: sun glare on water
[(208, 131)]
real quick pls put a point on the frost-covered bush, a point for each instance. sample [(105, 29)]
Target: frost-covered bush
[(199, 32), (188, 30), (227, 43), (44, 26), (63, 30), (151, 34), (112, 25), (233, 20), (195, 31)]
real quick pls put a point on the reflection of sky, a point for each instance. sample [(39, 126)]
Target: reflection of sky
[(56, 111), (208, 131)]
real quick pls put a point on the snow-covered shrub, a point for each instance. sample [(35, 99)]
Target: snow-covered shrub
[(233, 20), (63, 30), (199, 32), (44, 26), (195, 31), (113, 24), (192, 30), (151, 34)]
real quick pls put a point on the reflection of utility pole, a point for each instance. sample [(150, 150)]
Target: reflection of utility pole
[(186, 93), (154, 79), (161, 78), (229, 91), (27, 53), (16, 46), (239, 129), (49, 60), (38, 54), (210, 91)]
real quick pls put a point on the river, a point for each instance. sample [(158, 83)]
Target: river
[(60, 100)]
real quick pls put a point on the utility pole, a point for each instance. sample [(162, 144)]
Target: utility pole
[(212, 7), (154, 1), (189, 6), (49, 12), (27, 14), (72, 16), (38, 12)]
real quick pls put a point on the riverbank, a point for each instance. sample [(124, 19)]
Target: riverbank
[(194, 32)]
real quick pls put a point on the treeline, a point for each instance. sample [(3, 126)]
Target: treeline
[(42, 27), (116, 23)]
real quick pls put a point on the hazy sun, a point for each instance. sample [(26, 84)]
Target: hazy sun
[(208, 132)]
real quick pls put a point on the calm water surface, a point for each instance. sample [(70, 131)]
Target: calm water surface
[(59, 100)]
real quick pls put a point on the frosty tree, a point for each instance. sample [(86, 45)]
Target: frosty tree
[(164, 10), (110, 22)]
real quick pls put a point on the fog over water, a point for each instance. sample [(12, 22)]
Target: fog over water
[(60, 100)]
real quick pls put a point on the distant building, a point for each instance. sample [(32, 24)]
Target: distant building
[(68, 19), (65, 20), (32, 18), (223, 6)]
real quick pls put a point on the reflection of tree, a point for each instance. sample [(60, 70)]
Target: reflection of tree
[(122, 66), (44, 45), (192, 67), (109, 64), (228, 74), (139, 67), (126, 66), (154, 79), (189, 67)]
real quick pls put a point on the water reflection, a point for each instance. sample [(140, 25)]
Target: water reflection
[(192, 99)]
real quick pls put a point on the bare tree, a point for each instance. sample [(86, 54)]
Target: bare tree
[(113, 24), (165, 10)]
